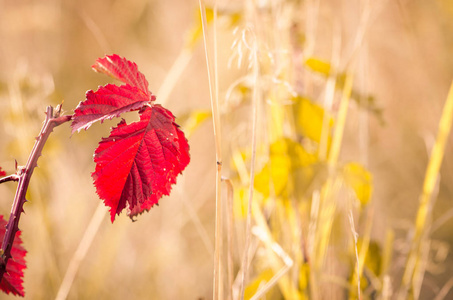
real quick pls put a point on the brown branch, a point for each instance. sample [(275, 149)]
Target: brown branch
[(24, 175)]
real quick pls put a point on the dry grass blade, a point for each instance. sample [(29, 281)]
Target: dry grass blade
[(358, 264), (230, 230), (341, 120), (432, 172), (252, 164)]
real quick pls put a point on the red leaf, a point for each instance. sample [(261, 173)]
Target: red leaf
[(106, 103), (13, 278), (2, 173), (110, 100), (122, 69), (139, 162)]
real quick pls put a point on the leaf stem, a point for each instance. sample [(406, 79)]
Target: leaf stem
[(24, 175)]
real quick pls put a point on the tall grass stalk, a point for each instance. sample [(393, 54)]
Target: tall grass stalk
[(327, 201), (214, 95), (413, 263), (341, 120), (255, 67), (230, 231), (330, 92)]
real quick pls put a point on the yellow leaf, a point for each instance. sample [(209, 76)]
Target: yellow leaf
[(360, 180), (318, 66), (373, 259), (261, 279), (309, 119), (286, 157), (304, 276)]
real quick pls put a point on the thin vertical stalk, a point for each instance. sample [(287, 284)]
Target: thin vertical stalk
[(330, 91), (358, 265), (252, 167), (327, 206), (213, 89), (426, 198), (341, 120), (230, 229)]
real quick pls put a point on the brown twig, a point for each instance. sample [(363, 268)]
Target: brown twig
[(23, 176)]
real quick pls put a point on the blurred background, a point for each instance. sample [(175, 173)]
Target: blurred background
[(48, 46)]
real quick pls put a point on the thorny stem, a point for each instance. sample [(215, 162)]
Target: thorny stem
[(13, 177), (23, 176)]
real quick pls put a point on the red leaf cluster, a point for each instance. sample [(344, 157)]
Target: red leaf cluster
[(2, 173), (12, 281), (138, 162)]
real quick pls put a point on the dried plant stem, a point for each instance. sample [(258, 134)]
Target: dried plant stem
[(213, 89), (252, 167), (426, 199), (341, 120), (358, 265), (330, 91), (52, 120), (327, 205), (230, 230)]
